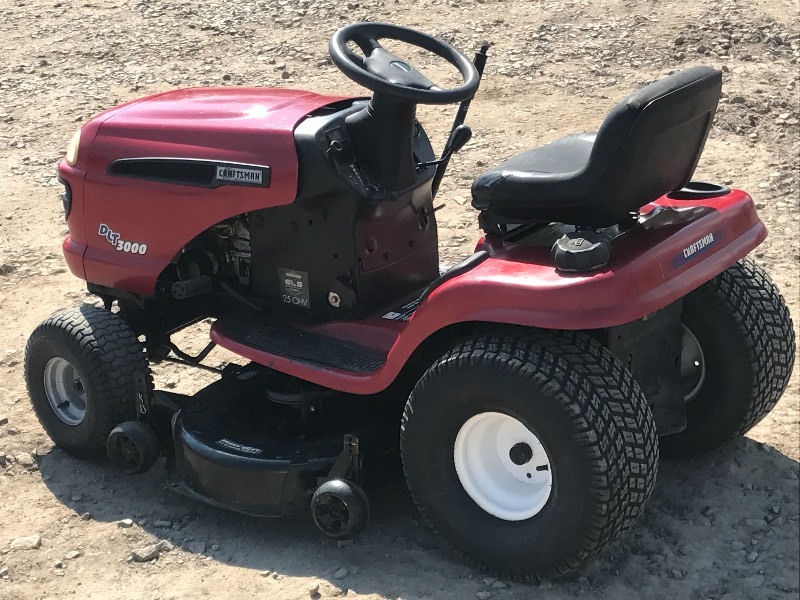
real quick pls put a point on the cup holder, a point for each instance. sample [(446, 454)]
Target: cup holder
[(698, 190)]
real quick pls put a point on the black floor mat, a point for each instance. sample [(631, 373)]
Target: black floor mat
[(277, 337)]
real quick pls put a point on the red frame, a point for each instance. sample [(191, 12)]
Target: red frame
[(519, 285)]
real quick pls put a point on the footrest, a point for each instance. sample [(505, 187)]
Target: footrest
[(283, 339)]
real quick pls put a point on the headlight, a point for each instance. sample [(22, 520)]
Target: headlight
[(72, 148)]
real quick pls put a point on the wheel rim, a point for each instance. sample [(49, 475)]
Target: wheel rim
[(65, 391), (693, 366), (331, 515), (125, 454), (503, 466)]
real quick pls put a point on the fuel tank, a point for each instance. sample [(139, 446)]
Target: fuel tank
[(154, 173)]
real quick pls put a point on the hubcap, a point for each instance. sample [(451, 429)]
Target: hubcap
[(693, 366), (65, 391), (503, 466)]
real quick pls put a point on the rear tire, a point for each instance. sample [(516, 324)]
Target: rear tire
[(562, 390), (81, 367), (743, 328)]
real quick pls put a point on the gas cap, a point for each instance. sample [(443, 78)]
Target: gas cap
[(581, 252)]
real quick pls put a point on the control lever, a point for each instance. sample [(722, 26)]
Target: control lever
[(461, 115), (458, 138)]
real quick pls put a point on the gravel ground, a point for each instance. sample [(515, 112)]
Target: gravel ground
[(725, 526)]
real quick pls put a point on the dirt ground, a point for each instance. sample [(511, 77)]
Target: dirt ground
[(725, 526)]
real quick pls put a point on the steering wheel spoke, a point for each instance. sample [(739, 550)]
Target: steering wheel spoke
[(366, 44)]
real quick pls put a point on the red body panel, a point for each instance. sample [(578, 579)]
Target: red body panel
[(652, 265), (243, 125)]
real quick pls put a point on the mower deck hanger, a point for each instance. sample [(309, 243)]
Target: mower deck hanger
[(607, 314)]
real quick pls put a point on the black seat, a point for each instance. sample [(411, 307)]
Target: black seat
[(648, 145)]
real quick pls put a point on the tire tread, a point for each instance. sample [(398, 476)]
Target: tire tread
[(610, 416)]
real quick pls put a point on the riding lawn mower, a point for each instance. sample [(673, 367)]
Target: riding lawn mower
[(608, 315)]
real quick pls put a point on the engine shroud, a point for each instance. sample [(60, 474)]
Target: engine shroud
[(344, 247)]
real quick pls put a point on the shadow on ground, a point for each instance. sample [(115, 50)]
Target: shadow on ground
[(737, 508)]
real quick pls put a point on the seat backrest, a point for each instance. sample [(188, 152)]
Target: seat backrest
[(651, 142)]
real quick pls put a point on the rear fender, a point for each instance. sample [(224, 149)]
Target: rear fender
[(676, 248)]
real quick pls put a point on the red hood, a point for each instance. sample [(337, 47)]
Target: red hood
[(238, 125), (244, 125), (241, 108)]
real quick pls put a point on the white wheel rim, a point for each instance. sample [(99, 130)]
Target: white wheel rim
[(488, 451), (65, 391)]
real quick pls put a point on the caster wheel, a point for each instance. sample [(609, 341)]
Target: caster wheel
[(133, 447), (340, 509)]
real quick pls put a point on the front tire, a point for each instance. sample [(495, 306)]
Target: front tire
[(81, 367), (556, 406), (744, 354)]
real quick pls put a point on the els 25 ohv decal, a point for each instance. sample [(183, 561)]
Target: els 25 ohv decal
[(114, 238)]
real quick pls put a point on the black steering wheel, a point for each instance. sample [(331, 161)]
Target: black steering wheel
[(384, 73)]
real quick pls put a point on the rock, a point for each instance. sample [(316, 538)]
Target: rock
[(73, 554), (737, 546), (25, 459), (499, 585), (340, 573), (76, 498), (313, 592), (146, 553), (3, 571), (3, 420), (58, 564), (196, 547), (266, 573), (29, 542), (756, 524), (86, 516), (545, 585), (736, 100), (489, 580), (754, 581), (483, 595), (751, 558), (151, 552), (125, 523), (344, 543), (163, 523), (3, 459), (355, 570)]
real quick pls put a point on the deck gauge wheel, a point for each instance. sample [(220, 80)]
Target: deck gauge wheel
[(133, 447), (340, 509)]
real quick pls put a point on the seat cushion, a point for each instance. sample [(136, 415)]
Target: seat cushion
[(648, 145), (548, 176)]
